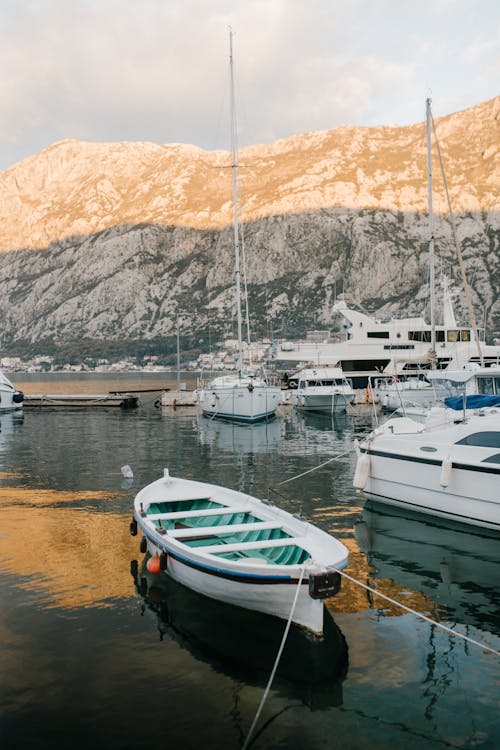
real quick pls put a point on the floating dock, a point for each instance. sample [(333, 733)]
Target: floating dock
[(57, 400)]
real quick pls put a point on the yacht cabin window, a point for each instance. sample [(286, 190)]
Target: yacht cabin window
[(419, 335), (331, 382), (462, 335), (489, 386), (425, 336), (495, 459), (481, 439)]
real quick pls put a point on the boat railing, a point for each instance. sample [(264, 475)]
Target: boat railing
[(269, 378)]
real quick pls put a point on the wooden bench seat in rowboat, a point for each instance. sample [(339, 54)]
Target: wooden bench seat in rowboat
[(203, 512), (195, 522), (170, 506)]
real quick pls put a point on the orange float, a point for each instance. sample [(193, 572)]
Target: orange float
[(153, 564)]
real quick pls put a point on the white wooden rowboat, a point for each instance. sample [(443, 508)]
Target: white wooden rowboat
[(238, 549)]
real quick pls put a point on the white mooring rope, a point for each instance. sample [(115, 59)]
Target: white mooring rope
[(418, 614), (315, 468), (384, 596), (276, 662), (455, 633)]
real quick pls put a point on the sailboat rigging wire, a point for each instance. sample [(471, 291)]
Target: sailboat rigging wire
[(276, 662), (245, 287), (431, 229), (234, 166), (457, 246)]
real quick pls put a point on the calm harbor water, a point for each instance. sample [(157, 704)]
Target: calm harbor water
[(96, 653)]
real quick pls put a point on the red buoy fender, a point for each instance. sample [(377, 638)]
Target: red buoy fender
[(153, 564)]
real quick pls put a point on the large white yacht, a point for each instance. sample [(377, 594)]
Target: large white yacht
[(400, 346)]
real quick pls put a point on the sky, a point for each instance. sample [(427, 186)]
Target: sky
[(158, 70)]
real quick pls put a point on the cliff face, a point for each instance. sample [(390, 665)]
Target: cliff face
[(113, 240)]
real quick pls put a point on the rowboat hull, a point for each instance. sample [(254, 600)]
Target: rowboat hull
[(239, 550), (215, 632), (274, 598)]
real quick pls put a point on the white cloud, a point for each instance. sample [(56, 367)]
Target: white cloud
[(157, 70)]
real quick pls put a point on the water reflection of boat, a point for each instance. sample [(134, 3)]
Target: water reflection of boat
[(338, 423), (454, 566), (244, 644), (241, 438), (8, 422)]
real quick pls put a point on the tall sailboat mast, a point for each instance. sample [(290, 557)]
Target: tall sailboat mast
[(431, 230), (234, 167)]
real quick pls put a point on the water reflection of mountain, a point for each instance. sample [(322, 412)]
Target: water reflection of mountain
[(263, 437), (455, 567), (243, 644)]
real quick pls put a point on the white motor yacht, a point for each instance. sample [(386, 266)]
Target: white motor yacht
[(415, 400), (447, 466), (10, 398), (322, 389), (469, 380), (395, 394)]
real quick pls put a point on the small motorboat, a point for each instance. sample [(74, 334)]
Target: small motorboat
[(323, 389), (238, 549)]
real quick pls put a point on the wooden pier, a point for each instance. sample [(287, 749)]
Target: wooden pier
[(59, 400)]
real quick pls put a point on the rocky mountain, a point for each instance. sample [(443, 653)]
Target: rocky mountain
[(115, 240)]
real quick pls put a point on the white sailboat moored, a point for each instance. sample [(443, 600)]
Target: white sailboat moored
[(245, 395)]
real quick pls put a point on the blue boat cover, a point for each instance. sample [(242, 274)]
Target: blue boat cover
[(475, 401)]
